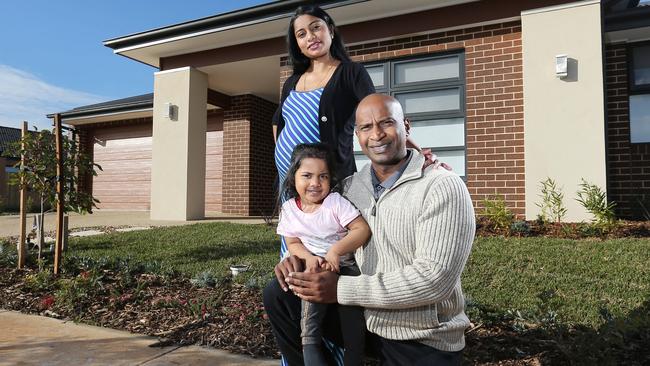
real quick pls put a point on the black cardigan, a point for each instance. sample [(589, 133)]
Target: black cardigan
[(349, 84)]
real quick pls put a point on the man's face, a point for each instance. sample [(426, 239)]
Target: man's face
[(382, 130)]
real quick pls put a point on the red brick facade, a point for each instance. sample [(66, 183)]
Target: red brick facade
[(628, 165), (248, 163), (494, 101)]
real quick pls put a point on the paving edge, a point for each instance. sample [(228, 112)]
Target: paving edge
[(159, 356)]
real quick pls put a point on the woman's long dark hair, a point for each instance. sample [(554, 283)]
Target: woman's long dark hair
[(298, 60), (304, 151)]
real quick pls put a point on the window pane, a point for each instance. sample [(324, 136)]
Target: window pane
[(361, 160), (455, 158), (430, 101), (439, 133), (640, 118), (426, 70), (377, 75), (642, 65)]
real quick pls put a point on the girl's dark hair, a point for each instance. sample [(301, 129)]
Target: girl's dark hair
[(303, 151), (298, 60)]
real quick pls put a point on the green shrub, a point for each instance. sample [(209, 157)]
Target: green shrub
[(594, 200), (520, 228), (76, 293), (40, 281), (8, 254), (204, 279), (552, 204), (499, 217)]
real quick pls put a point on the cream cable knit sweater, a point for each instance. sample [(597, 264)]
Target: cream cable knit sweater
[(422, 233)]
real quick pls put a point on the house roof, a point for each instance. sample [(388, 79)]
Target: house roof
[(137, 102)]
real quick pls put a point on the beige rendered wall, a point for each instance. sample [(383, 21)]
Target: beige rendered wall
[(564, 131), (178, 147)]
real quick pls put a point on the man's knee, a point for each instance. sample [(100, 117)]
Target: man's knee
[(277, 300), (272, 292)]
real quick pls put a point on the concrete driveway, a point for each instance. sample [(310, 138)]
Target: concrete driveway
[(36, 340), (10, 224)]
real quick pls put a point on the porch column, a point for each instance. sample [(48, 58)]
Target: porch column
[(248, 162), (178, 147), (564, 128)]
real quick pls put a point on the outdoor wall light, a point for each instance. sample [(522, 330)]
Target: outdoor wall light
[(561, 66), (170, 111)]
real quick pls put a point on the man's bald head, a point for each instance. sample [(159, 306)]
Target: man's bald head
[(376, 102)]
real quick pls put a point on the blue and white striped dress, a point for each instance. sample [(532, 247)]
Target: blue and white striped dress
[(300, 114)]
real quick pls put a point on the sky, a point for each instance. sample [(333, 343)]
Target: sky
[(52, 56)]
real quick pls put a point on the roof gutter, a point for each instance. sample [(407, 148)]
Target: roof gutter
[(113, 109)]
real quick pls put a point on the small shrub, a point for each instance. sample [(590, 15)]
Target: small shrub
[(590, 230), (40, 281), (204, 308), (594, 200), (552, 204), (74, 294), (520, 228), (204, 279), (499, 217), (8, 254)]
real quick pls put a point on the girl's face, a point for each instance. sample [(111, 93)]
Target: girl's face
[(313, 36), (312, 180)]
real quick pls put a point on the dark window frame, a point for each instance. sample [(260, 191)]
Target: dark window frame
[(632, 88), (392, 89)]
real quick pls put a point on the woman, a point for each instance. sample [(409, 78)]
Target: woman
[(320, 98)]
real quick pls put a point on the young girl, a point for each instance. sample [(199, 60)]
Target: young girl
[(324, 229)]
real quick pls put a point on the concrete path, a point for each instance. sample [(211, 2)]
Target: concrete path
[(35, 340), (9, 224)]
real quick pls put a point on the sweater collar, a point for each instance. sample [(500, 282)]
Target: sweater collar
[(413, 170)]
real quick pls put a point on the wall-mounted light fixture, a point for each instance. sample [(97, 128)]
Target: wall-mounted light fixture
[(561, 66), (170, 111)]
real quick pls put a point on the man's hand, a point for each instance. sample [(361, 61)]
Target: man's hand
[(286, 266), (314, 287)]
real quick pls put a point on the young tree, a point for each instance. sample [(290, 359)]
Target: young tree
[(39, 171)]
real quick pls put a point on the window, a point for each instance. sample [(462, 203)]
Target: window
[(639, 93), (432, 92)]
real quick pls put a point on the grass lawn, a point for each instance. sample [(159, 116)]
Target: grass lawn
[(583, 281)]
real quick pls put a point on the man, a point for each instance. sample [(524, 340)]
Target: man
[(423, 227)]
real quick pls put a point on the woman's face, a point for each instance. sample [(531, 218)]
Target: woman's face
[(313, 36)]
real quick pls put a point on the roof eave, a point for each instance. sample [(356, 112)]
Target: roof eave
[(110, 109), (232, 18), (628, 19)]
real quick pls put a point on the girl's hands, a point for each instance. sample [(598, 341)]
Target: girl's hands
[(313, 264), (332, 259)]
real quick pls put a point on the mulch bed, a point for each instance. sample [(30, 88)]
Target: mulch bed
[(572, 230), (231, 317)]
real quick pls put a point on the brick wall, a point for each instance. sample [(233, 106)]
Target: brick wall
[(494, 101), (628, 165), (248, 163)]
